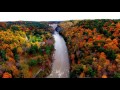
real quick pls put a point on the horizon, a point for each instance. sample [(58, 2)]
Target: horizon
[(56, 16), (57, 21)]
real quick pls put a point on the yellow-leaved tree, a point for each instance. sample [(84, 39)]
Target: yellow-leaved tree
[(19, 50)]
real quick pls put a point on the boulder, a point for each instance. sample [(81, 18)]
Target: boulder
[(58, 29)]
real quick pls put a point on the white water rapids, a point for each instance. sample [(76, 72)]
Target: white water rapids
[(60, 65)]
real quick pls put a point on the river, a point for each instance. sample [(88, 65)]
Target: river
[(60, 65)]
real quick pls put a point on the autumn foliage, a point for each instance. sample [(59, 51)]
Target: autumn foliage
[(93, 47), (24, 49), (7, 75)]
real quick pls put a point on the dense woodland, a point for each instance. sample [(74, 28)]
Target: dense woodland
[(25, 49), (94, 48), (28, 47)]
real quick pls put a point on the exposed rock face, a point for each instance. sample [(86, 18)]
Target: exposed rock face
[(58, 29)]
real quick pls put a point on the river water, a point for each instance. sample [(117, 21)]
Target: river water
[(60, 65)]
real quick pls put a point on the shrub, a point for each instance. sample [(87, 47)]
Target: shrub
[(91, 72), (33, 49), (14, 28), (87, 60), (112, 37), (116, 75), (39, 60), (48, 52), (76, 71), (101, 49), (85, 33), (40, 51), (16, 57), (14, 50), (110, 54), (48, 49), (33, 62), (3, 55), (106, 33)]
